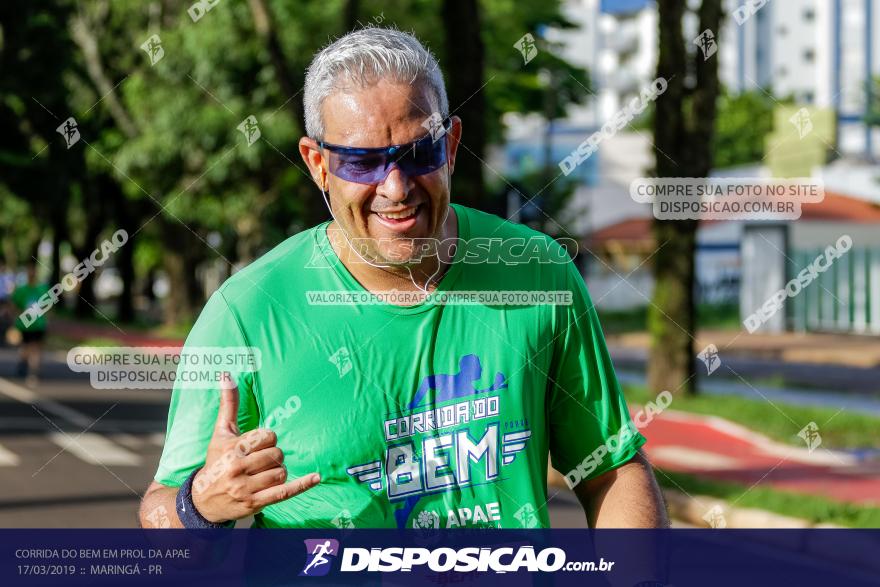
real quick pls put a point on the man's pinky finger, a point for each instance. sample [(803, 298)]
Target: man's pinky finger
[(286, 491)]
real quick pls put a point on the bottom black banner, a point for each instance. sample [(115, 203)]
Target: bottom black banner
[(627, 558)]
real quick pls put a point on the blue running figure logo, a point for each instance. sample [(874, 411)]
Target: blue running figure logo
[(457, 385), (319, 554)]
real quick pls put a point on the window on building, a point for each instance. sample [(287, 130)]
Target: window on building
[(809, 15), (809, 55)]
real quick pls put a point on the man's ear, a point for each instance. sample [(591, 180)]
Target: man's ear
[(311, 155), (454, 138)]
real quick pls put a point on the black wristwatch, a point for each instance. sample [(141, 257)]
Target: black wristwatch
[(187, 512)]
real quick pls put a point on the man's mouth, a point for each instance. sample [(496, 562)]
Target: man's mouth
[(400, 220), (402, 215)]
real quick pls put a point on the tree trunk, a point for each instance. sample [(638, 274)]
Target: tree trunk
[(181, 256), (466, 63), (682, 148), (175, 307), (148, 285), (128, 219), (60, 235), (671, 316), (350, 14), (95, 217), (125, 265)]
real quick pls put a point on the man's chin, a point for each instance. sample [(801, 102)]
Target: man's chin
[(402, 258)]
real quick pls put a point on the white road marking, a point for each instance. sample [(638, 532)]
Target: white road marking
[(693, 458), (88, 446), (27, 396), (765, 444), (95, 449), (17, 392), (128, 440), (8, 458)]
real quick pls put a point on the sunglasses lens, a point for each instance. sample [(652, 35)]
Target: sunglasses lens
[(373, 166), (424, 156), (359, 168)]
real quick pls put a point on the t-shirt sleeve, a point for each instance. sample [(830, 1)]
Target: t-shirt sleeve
[(587, 411), (19, 297), (193, 412)]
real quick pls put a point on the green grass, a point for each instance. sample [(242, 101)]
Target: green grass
[(59, 342), (623, 321), (99, 341), (838, 429), (179, 330), (809, 507), (779, 381), (65, 313), (716, 317), (140, 325)]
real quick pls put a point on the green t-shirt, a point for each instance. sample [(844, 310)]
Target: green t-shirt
[(424, 416), (23, 298)]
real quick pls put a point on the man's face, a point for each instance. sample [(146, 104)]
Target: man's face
[(384, 219)]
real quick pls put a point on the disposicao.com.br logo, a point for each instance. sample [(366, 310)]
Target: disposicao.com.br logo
[(319, 553), (505, 559)]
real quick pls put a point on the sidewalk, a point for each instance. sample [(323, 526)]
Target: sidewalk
[(830, 362), (789, 347)]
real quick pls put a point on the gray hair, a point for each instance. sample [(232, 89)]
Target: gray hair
[(363, 57)]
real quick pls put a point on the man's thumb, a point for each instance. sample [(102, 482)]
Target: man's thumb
[(227, 416)]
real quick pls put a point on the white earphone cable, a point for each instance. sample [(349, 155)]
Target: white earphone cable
[(356, 252)]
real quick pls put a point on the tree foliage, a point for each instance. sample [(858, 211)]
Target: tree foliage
[(743, 123), (161, 154)]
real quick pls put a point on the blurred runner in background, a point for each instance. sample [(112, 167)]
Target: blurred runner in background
[(33, 334), (7, 284)]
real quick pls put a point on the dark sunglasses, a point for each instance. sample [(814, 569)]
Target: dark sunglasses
[(371, 165)]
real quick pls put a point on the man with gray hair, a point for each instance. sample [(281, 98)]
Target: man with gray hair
[(400, 384)]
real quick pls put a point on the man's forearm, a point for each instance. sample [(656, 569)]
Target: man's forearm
[(627, 497), (159, 507)]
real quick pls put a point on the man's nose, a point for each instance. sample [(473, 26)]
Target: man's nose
[(397, 185)]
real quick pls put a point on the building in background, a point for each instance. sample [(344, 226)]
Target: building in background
[(815, 52), (812, 54), (745, 263)]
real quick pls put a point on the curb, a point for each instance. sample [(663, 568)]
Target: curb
[(692, 509), (827, 458)]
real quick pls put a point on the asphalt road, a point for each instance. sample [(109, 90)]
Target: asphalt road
[(75, 457), (71, 455)]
